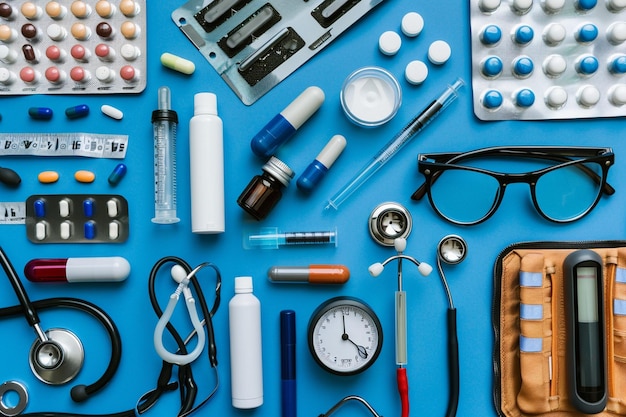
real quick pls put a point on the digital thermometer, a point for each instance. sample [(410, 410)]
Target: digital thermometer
[(586, 352)]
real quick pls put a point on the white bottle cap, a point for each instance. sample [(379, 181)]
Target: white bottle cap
[(389, 43), (205, 103), (439, 52), (412, 24), (243, 285), (416, 72)]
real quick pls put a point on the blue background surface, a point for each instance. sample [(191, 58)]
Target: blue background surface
[(471, 282)]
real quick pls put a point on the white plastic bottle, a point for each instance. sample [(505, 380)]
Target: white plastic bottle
[(206, 164), (246, 359)]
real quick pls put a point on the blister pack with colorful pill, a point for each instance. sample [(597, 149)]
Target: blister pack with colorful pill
[(72, 47), (548, 59), (77, 218)]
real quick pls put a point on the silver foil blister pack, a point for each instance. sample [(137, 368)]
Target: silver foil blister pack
[(254, 44), (548, 59), (72, 47)]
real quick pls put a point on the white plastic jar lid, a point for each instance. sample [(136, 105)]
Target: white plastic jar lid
[(370, 96)]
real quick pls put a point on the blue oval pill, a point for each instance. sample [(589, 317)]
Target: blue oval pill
[(491, 35), (524, 34), (523, 67), (492, 99), (525, 97), (76, 112), (587, 33), (40, 113), (88, 207), (492, 66), (618, 65), (90, 230), (118, 173), (587, 65), (39, 207)]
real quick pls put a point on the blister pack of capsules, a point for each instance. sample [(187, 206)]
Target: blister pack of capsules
[(72, 47), (77, 218), (548, 59), (255, 44)]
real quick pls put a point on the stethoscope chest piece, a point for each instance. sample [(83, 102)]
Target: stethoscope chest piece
[(389, 221), (452, 249), (59, 359)]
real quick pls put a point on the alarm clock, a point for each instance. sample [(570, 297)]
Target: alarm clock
[(345, 336)]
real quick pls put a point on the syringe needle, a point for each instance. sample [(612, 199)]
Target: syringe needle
[(415, 126)]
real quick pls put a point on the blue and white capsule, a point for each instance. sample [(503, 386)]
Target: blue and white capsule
[(322, 163), (285, 124)]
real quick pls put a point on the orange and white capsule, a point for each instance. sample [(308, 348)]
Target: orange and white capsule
[(312, 274)]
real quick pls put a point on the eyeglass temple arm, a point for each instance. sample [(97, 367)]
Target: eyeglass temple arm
[(421, 191)]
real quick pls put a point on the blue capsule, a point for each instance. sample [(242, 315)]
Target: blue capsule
[(525, 97), (40, 113), (39, 207), (90, 230), (88, 207), (492, 99), (586, 5), (76, 112), (118, 173), (523, 67), (618, 65)]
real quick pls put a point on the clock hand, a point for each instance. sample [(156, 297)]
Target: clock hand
[(344, 336)]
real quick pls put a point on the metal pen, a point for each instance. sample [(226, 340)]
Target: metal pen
[(415, 126), (288, 362)]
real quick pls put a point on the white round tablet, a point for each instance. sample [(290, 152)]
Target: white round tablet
[(556, 97), (554, 34), (389, 43), (412, 24), (554, 65), (488, 6), (616, 5), (588, 96), (416, 72), (522, 6), (616, 33), (553, 6), (439, 52), (617, 94)]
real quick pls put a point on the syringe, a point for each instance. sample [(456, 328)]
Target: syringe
[(164, 122), (415, 126), (272, 238)]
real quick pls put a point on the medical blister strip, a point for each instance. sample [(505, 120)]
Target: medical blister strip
[(570, 94), (254, 45)]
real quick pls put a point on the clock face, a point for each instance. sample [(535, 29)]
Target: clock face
[(345, 336)]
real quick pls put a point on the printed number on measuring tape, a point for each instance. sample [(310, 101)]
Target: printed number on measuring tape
[(89, 145)]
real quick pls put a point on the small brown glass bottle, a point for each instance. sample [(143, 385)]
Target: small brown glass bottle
[(265, 190)]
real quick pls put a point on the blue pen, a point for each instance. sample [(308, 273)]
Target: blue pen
[(288, 362)]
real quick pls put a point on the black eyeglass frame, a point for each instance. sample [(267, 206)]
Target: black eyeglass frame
[(431, 165)]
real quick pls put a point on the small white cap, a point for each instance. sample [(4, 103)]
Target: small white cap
[(389, 43), (376, 269), (416, 72), (439, 52), (243, 284), (616, 33), (554, 65), (399, 244), (556, 97), (617, 94), (178, 273), (204, 103), (425, 269), (554, 34), (588, 96), (412, 24)]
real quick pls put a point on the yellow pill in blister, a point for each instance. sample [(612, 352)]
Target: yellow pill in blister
[(84, 176), (48, 177)]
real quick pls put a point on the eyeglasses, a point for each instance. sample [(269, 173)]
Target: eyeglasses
[(566, 190)]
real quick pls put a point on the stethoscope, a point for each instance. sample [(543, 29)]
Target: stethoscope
[(390, 224), (57, 355)]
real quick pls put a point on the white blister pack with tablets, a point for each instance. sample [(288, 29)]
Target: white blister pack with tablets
[(548, 59), (72, 47)]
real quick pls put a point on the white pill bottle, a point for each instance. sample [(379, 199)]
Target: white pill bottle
[(206, 164), (246, 358)]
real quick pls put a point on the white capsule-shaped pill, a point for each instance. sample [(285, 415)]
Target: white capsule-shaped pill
[(112, 210), (65, 230), (439, 52), (114, 230), (177, 63), (389, 43), (41, 231), (112, 112), (64, 208)]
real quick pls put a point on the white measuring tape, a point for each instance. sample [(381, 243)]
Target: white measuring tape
[(12, 213), (91, 145)]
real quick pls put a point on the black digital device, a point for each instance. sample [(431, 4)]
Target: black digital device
[(586, 351)]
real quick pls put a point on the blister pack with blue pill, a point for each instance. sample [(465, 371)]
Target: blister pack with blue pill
[(77, 218), (548, 59)]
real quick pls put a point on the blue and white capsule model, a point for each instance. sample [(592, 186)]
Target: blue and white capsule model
[(322, 163), (285, 124)]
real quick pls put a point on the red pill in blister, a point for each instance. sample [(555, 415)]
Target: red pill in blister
[(55, 54), (80, 53), (29, 75), (129, 73), (55, 76), (80, 75), (104, 52)]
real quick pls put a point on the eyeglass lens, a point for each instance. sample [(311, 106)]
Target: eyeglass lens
[(562, 194)]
